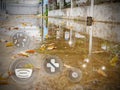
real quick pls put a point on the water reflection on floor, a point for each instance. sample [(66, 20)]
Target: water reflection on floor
[(98, 56), (95, 51)]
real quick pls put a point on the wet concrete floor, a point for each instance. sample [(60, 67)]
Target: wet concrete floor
[(94, 56)]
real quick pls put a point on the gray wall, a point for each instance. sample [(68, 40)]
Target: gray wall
[(106, 31), (22, 6), (22, 9), (104, 12)]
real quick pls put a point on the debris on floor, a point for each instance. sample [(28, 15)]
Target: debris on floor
[(13, 28), (114, 61), (30, 51), (24, 24), (4, 79), (23, 54), (101, 72), (42, 47), (51, 46), (9, 44), (2, 40)]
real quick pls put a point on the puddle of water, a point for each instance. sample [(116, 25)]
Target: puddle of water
[(76, 46), (70, 41)]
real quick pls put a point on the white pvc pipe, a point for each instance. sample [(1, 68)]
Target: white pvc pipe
[(60, 8), (92, 8), (91, 27), (90, 40), (71, 8)]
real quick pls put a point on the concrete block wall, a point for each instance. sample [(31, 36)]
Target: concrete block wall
[(22, 9), (110, 32), (22, 6), (23, 1), (107, 12), (104, 12), (29, 1)]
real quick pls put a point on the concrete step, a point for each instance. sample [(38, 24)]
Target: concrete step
[(13, 8)]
